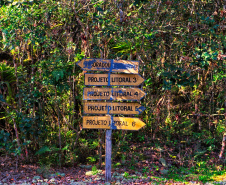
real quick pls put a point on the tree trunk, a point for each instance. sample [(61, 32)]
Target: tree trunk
[(223, 146)]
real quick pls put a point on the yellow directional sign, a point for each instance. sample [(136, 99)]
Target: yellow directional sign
[(113, 94), (124, 66), (104, 122), (113, 79), (97, 122), (112, 108)]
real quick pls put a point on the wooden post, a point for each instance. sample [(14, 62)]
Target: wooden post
[(123, 66), (108, 143), (108, 155)]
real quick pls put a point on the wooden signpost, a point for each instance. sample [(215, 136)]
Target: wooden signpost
[(118, 123), (124, 66), (113, 94), (115, 79), (110, 93), (112, 108)]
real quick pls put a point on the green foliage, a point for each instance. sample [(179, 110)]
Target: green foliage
[(43, 150), (181, 48), (126, 174), (95, 170), (92, 159), (201, 172), (8, 80), (4, 140), (145, 170)]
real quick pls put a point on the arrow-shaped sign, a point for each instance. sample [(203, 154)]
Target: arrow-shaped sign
[(112, 108), (104, 122), (124, 66), (113, 79), (113, 94)]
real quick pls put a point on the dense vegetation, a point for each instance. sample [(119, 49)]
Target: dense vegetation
[(180, 46)]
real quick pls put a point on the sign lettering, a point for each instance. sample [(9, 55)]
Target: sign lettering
[(115, 79), (118, 123), (113, 94), (124, 66), (112, 108)]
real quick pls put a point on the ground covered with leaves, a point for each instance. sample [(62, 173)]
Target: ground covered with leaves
[(143, 167)]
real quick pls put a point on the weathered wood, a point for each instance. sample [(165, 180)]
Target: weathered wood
[(113, 79), (124, 66), (108, 122), (108, 155), (112, 108), (113, 94), (118, 123), (108, 144)]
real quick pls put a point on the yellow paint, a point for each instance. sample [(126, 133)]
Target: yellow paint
[(96, 122), (115, 79), (130, 70), (113, 94), (110, 108), (103, 122), (132, 123)]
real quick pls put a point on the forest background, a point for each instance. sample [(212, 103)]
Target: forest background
[(181, 47)]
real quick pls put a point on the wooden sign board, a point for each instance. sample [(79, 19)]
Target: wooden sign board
[(118, 123), (113, 94), (112, 108), (113, 79), (124, 66), (108, 122)]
